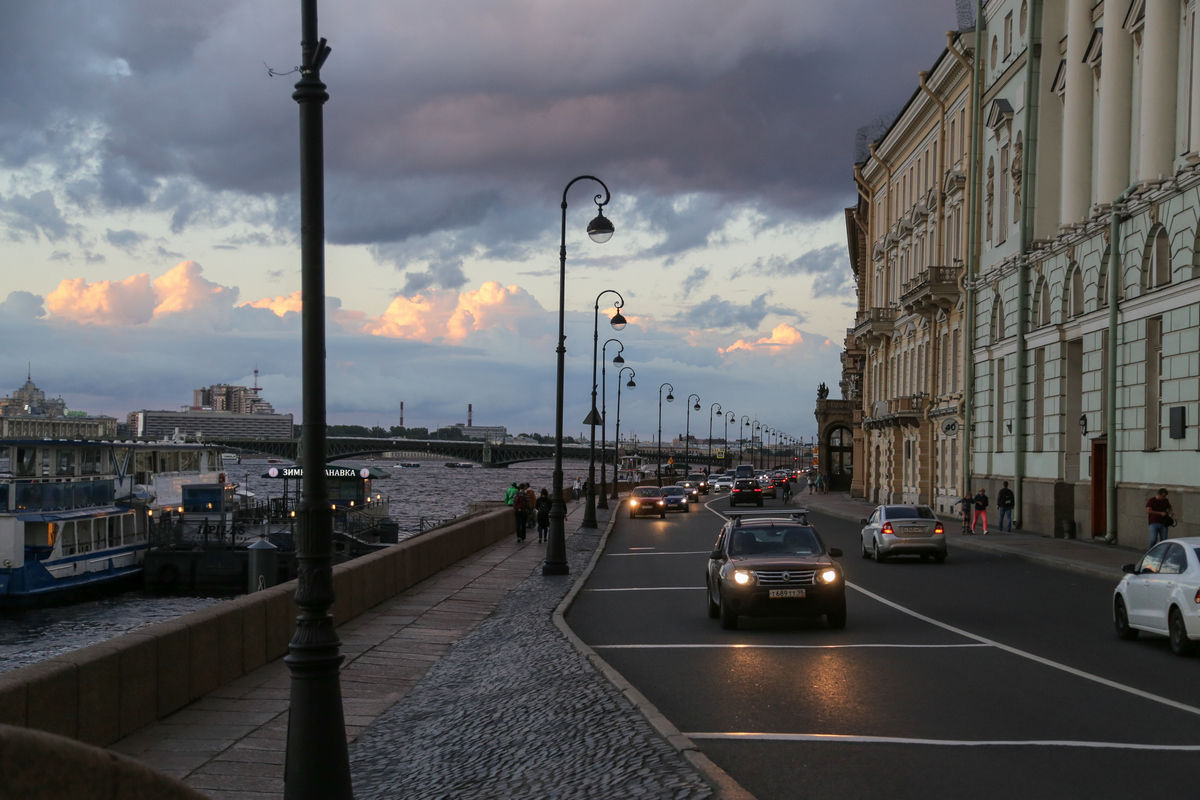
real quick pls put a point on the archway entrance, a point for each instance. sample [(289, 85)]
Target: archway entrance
[(839, 458)]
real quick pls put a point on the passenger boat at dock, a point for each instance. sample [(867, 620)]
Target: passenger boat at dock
[(75, 514)]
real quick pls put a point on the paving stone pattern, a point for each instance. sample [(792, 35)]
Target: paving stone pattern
[(512, 710)]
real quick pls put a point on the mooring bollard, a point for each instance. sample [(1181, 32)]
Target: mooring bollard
[(263, 565)]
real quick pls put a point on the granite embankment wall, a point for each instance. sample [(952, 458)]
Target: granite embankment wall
[(107, 691)]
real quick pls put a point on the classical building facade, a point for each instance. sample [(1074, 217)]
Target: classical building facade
[(1068, 362), (1085, 358), (902, 381)]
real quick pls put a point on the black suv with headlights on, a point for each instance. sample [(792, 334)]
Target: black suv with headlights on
[(774, 566)]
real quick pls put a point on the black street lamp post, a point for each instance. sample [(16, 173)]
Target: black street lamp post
[(717, 408), (687, 430), (741, 438), (729, 417), (754, 459), (317, 762), (600, 230), (617, 434), (594, 417), (670, 399), (602, 501)]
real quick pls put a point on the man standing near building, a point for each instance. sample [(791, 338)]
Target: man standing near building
[(1158, 509), (1005, 500), (981, 503)]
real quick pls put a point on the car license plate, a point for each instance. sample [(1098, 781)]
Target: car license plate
[(785, 593)]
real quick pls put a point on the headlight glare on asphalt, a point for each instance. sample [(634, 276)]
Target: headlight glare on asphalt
[(743, 577), (828, 575)]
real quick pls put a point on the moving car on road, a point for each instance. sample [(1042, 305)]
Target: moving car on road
[(676, 498), (903, 530), (1160, 594), (745, 490), (768, 487), (698, 480), (647, 500), (774, 567), (721, 483)]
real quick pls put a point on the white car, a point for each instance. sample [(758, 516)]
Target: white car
[(899, 529), (721, 483), (1161, 594)]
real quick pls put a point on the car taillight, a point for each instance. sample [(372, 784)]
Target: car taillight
[(938, 530), (887, 528), (1196, 599), (758, 490)]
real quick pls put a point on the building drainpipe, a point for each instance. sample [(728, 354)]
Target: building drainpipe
[(1110, 390), (926, 436), (974, 247), (1025, 236)]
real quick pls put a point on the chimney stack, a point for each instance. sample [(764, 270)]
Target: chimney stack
[(468, 415)]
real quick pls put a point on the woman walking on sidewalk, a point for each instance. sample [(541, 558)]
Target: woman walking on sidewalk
[(543, 516), (981, 504)]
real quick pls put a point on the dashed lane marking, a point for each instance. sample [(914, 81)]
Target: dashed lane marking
[(849, 739)]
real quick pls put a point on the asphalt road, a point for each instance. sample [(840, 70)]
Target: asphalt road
[(987, 676)]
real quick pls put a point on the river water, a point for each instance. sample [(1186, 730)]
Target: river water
[(425, 495)]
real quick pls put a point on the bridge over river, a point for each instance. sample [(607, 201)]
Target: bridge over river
[(488, 454)]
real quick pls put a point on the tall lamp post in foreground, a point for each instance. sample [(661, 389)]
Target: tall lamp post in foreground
[(317, 763), (593, 418), (617, 434), (617, 359), (717, 408), (600, 230), (687, 429), (670, 399)]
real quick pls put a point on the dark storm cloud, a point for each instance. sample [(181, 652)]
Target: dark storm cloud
[(444, 275), (722, 314), (22, 305), (829, 265), (35, 216), (160, 105), (124, 239)]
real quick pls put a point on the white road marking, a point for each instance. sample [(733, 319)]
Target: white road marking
[(734, 646), (662, 553), (649, 589), (845, 739), (1030, 656)]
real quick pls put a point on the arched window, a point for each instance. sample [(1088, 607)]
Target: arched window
[(1156, 262), (1041, 314), (997, 320), (1075, 292)]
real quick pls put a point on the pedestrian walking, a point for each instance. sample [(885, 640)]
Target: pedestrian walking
[(542, 510), (812, 483), (530, 505), (576, 488), (980, 501), (510, 493), (825, 483), (519, 509), (1158, 510), (964, 504), (1005, 500)]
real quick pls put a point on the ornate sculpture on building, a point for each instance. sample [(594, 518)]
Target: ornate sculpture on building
[(991, 185), (822, 391), (1016, 173)]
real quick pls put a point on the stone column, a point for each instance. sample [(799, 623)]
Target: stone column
[(1160, 63), (1077, 117), (1194, 88), (1116, 73)]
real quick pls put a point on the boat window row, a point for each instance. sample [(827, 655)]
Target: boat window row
[(85, 535), (38, 496), (45, 461)]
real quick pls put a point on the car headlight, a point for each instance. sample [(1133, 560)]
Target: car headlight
[(743, 577), (633, 503), (662, 502), (828, 576)]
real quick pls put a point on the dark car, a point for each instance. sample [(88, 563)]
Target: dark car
[(745, 490), (774, 567), (676, 498), (647, 500), (699, 480)]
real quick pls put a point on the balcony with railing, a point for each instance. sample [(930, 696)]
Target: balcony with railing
[(931, 289), (895, 411), (874, 324)]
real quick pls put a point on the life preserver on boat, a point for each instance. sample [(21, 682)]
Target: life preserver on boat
[(167, 576)]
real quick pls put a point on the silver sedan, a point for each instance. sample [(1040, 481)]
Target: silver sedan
[(903, 529)]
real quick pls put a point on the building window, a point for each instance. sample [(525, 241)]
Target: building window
[(1156, 266), (1075, 294), (1153, 404), (1008, 34)]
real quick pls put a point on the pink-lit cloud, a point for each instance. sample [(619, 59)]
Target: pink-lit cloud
[(782, 336), (445, 315), (138, 299)]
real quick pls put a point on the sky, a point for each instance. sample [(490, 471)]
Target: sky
[(149, 202)]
